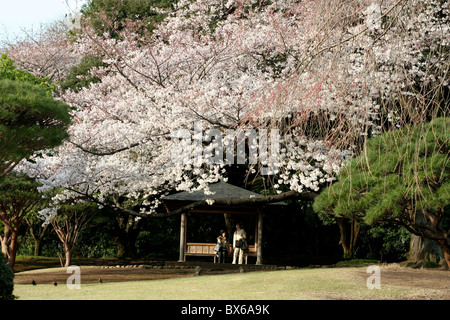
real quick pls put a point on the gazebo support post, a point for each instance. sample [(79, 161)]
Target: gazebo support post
[(183, 226), (259, 237)]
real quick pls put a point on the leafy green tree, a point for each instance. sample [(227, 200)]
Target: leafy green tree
[(111, 16), (384, 242), (402, 177), (69, 222), (38, 231), (8, 70), (18, 197), (6, 280), (30, 120), (80, 76), (119, 13)]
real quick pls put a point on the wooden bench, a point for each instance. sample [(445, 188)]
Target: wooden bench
[(207, 250), (250, 252)]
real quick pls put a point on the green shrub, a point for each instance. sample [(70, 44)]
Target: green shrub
[(356, 262), (430, 264), (6, 280)]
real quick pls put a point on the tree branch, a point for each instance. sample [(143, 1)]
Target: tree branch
[(106, 153)]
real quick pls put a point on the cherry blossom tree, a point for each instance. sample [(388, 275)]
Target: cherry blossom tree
[(44, 51), (325, 75)]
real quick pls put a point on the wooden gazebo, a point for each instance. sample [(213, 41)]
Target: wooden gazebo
[(222, 191)]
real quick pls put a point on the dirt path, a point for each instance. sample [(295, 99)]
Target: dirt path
[(93, 274), (110, 273), (417, 278)]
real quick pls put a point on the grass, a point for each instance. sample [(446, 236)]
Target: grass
[(297, 284)]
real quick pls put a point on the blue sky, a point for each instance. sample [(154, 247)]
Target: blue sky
[(17, 14)]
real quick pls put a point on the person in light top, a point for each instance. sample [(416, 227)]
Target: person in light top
[(239, 234)]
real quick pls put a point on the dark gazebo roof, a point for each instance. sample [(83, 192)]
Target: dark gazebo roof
[(222, 190)]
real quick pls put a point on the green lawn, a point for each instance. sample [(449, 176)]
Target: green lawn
[(297, 284)]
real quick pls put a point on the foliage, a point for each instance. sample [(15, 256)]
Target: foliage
[(406, 168), (326, 75), (49, 245), (97, 241), (430, 264), (19, 196), (356, 262), (383, 241), (44, 52), (112, 16), (99, 245), (70, 220), (79, 75), (6, 280), (30, 120), (8, 70), (18, 191), (402, 178)]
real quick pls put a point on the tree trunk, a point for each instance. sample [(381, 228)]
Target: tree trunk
[(348, 243), (445, 247), (126, 246), (37, 235), (37, 247), (10, 244), (229, 222), (6, 240), (355, 227), (343, 239), (68, 254), (423, 249), (14, 245), (125, 235)]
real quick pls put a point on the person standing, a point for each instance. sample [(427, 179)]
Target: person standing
[(223, 246), (238, 254)]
